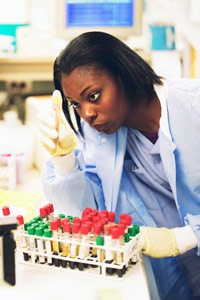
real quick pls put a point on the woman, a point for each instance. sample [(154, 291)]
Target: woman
[(136, 154)]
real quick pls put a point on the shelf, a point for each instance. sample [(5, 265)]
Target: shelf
[(29, 68)]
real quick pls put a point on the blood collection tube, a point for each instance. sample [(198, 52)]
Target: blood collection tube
[(48, 208), (48, 245), (84, 250), (51, 208), (20, 220), (54, 228), (97, 228), (31, 231), (59, 231), (100, 252), (115, 233), (44, 213), (108, 243), (40, 244), (65, 244), (58, 220), (74, 239)]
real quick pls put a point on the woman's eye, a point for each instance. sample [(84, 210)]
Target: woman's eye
[(94, 96), (74, 104)]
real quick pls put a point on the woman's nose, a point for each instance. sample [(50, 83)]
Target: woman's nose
[(88, 113)]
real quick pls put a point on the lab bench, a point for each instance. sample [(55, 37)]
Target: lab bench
[(48, 282), (53, 282)]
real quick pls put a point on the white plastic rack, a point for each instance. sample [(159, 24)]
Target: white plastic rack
[(128, 255)]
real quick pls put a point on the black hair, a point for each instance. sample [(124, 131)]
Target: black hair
[(104, 51)]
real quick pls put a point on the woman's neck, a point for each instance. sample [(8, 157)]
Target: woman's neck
[(146, 117)]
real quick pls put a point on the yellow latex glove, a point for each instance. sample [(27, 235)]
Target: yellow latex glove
[(55, 134), (158, 242)]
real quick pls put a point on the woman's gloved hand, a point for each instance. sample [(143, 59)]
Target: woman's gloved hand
[(55, 134), (164, 242)]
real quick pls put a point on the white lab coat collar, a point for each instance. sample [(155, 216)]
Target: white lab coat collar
[(162, 93), (166, 144)]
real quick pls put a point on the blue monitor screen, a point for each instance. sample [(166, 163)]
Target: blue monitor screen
[(99, 13)]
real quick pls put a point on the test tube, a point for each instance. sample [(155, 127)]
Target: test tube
[(43, 213), (31, 231), (100, 252), (20, 220), (51, 207), (65, 244), (73, 249), (84, 250), (97, 228), (54, 228), (108, 243), (48, 247), (40, 245), (115, 232)]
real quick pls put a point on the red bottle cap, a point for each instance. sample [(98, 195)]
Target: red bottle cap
[(20, 219), (77, 220), (85, 219), (48, 209), (97, 227), (128, 220), (104, 220), (95, 212), (95, 219), (43, 212), (75, 228), (111, 216), (86, 210), (66, 226), (115, 232), (58, 220), (64, 220), (105, 211), (121, 228), (6, 210), (107, 229), (54, 224), (90, 225), (51, 207), (123, 221), (103, 215), (84, 229), (122, 216)]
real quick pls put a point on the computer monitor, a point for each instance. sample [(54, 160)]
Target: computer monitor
[(121, 18)]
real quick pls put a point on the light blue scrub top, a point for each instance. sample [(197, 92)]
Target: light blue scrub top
[(144, 168)]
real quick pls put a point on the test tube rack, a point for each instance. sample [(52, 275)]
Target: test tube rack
[(94, 265)]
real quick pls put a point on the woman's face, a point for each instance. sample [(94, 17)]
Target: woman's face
[(97, 97)]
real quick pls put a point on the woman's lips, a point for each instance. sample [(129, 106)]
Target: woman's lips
[(99, 127)]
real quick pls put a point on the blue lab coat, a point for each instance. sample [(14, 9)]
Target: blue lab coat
[(96, 182)]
